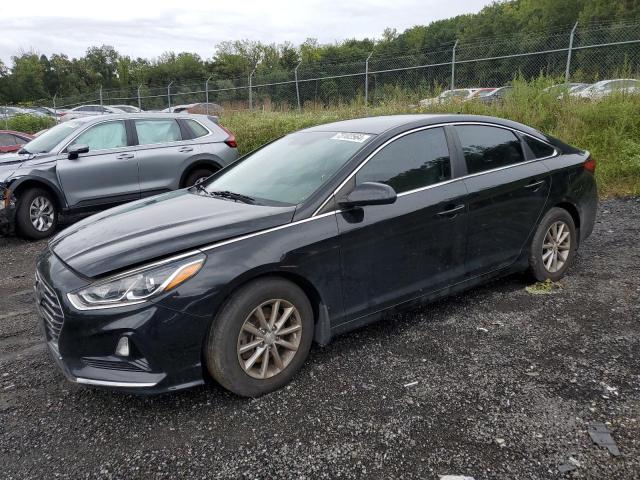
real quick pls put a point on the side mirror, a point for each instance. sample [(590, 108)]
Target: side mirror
[(369, 193), (74, 151)]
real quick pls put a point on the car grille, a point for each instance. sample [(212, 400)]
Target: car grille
[(139, 365), (50, 309)]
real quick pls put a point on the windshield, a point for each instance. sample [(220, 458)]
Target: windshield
[(52, 137), (290, 169)]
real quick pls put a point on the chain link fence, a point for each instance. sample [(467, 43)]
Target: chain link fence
[(584, 53)]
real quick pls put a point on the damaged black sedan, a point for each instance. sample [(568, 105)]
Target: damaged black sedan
[(312, 235)]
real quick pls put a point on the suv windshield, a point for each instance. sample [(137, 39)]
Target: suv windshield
[(52, 137), (290, 169)]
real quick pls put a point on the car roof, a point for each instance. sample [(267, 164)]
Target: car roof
[(124, 116), (381, 124)]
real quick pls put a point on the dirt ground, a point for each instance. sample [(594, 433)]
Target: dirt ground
[(497, 382)]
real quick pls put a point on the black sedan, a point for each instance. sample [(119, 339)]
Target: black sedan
[(312, 235)]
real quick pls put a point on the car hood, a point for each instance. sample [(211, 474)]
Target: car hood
[(156, 227), (10, 163)]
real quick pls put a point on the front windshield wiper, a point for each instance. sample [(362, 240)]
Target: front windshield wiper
[(233, 196)]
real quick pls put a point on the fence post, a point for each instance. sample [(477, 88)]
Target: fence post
[(567, 73), (295, 73), (101, 96), (206, 94), (169, 95), (139, 100), (250, 93), (366, 80), (55, 112), (453, 65)]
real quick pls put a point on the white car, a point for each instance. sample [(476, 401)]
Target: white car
[(88, 111), (457, 94), (127, 108), (607, 87)]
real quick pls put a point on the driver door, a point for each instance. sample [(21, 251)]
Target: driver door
[(107, 174)]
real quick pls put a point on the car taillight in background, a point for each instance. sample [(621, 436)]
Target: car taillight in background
[(231, 139), (590, 164)]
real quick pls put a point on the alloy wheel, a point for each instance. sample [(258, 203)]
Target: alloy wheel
[(269, 338), (41, 213), (556, 246)]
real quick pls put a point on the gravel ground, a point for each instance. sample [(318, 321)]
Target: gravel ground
[(495, 383)]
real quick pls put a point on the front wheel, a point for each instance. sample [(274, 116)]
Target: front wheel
[(197, 176), (260, 338), (554, 245), (36, 214)]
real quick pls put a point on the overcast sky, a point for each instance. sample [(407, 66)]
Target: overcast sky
[(149, 28)]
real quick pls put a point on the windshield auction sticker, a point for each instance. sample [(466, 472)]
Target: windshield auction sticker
[(351, 137)]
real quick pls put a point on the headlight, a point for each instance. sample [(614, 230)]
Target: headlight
[(137, 286)]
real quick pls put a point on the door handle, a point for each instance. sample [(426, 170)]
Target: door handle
[(535, 185), (452, 212), (185, 149), (125, 156)]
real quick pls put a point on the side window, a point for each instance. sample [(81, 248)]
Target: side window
[(197, 129), (157, 131), (6, 140), (539, 149), (103, 136), (486, 148), (414, 161)]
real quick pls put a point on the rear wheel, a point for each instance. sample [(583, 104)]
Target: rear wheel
[(260, 338), (197, 176), (553, 246), (36, 214)]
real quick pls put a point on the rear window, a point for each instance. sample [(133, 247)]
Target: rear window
[(539, 149), (197, 129)]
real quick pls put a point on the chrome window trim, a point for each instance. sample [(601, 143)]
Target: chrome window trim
[(438, 125)]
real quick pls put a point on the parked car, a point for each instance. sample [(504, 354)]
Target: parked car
[(127, 108), (497, 95), (456, 95), (9, 112), (197, 108), (95, 162), (481, 93), (607, 87), (88, 111), (11, 141), (560, 88), (312, 235), (49, 112)]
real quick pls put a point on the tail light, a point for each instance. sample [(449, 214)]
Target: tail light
[(231, 139), (590, 164)]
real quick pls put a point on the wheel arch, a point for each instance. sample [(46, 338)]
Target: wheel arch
[(573, 211), (25, 183)]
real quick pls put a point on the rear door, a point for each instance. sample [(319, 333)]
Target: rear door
[(394, 253), (507, 194), (163, 148), (108, 173)]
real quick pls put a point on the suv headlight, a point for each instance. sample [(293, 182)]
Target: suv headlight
[(137, 286)]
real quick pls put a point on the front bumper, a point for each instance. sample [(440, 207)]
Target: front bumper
[(7, 211), (166, 345)]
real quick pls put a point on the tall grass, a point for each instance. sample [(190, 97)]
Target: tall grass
[(609, 128)]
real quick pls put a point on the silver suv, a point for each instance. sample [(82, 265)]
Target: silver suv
[(96, 162)]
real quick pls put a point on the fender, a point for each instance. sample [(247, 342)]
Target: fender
[(46, 178)]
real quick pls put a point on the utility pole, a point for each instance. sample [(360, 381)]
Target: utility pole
[(169, 95), (206, 94), (250, 93), (295, 73), (453, 65), (366, 80), (567, 72)]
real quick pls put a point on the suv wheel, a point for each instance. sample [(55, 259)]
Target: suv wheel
[(36, 214), (260, 338), (553, 246), (197, 176)]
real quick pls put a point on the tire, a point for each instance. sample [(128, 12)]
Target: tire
[(197, 175), (541, 262), (34, 200), (227, 336)]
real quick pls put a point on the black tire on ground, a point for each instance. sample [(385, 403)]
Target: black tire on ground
[(537, 265), (24, 226), (221, 347), (197, 175)]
